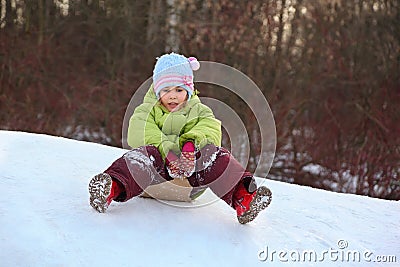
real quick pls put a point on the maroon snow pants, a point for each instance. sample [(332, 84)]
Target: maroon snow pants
[(216, 169)]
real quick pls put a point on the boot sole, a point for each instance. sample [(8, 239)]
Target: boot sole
[(99, 190), (260, 202)]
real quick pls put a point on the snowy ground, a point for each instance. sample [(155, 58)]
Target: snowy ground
[(46, 220)]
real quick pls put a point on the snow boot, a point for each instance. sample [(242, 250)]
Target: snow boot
[(248, 205), (103, 189)]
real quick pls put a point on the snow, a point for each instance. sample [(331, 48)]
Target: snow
[(46, 219)]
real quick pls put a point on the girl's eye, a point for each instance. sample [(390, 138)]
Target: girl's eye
[(179, 90)]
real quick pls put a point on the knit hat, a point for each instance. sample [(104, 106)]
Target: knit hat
[(174, 70)]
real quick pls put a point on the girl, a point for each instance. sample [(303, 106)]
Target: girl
[(174, 135)]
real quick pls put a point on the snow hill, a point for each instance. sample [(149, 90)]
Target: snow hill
[(46, 219)]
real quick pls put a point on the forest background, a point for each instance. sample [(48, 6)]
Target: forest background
[(328, 68)]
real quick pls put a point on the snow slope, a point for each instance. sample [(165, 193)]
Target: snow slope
[(46, 220)]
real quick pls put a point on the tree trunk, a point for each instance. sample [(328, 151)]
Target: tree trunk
[(173, 20)]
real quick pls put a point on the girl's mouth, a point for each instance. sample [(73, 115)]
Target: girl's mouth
[(172, 105)]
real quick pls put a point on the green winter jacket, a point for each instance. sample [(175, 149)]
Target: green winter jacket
[(152, 124)]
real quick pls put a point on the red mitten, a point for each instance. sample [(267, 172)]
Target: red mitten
[(172, 162), (185, 165), (187, 159)]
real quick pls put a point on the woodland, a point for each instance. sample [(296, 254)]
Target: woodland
[(330, 70)]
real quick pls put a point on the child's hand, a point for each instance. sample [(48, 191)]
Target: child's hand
[(174, 170), (187, 159), (185, 165), (172, 162), (182, 167)]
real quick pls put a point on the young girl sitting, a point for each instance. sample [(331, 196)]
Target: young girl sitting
[(174, 135)]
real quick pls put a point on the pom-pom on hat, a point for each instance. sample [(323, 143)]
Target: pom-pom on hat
[(174, 70)]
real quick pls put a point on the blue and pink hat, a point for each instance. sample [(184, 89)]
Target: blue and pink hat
[(174, 70)]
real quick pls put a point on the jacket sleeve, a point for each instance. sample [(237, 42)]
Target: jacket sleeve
[(143, 130), (207, 129)]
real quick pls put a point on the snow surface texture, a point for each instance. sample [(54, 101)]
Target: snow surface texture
[(46, 219)]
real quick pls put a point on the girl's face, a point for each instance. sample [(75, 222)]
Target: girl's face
[(173, 98)]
